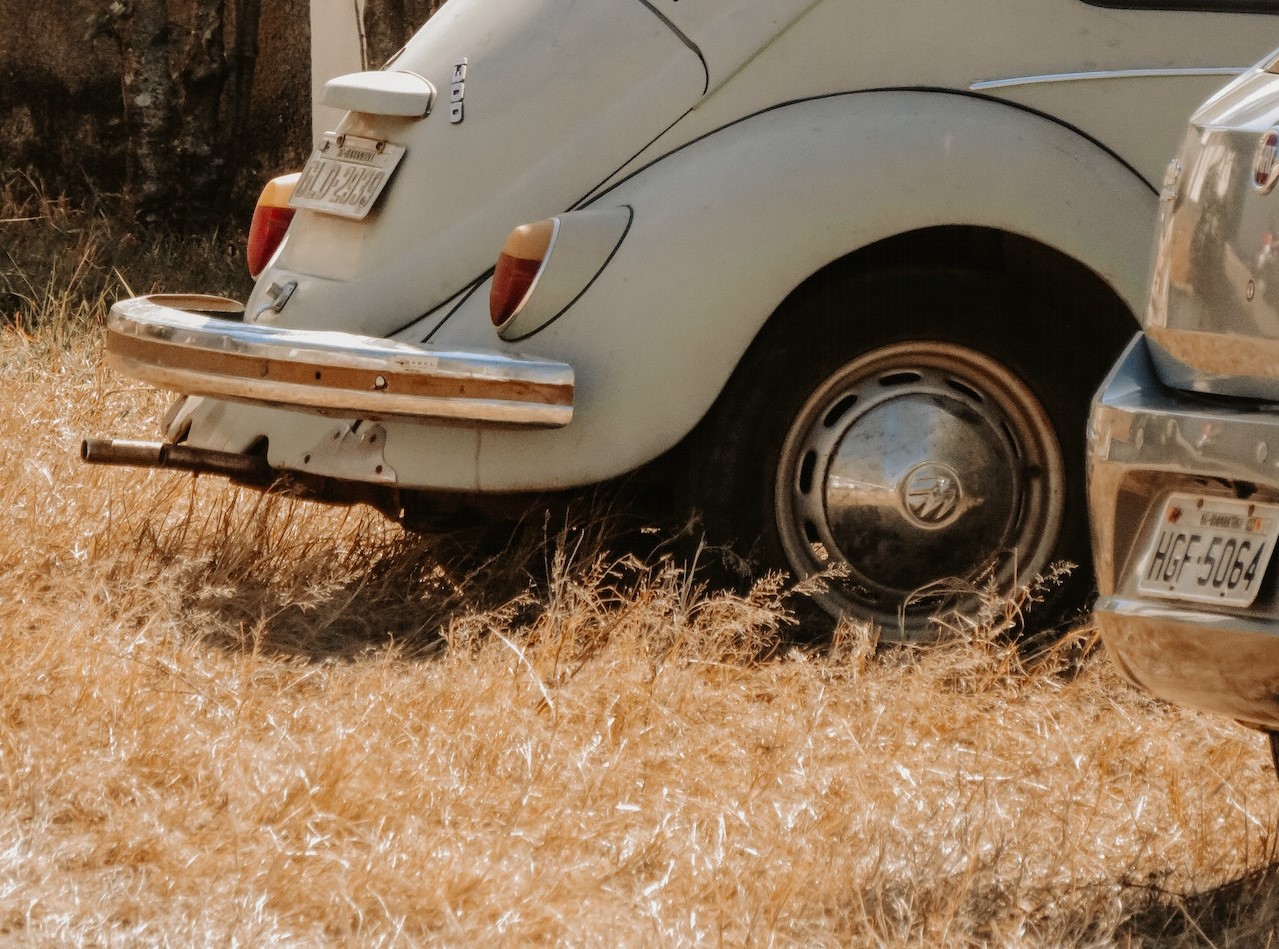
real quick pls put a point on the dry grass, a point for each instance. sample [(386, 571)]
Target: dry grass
[(59, 261), (225, 718)]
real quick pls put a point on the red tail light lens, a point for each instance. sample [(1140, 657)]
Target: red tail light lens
[(271, 219), (521, 260)]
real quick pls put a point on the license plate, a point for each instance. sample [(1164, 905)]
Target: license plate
[(345, 174), (1209, 550)]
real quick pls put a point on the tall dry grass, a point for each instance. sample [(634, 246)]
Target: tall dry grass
[(226, 719)]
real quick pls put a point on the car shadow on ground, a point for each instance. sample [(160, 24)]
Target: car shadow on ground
[(367, 591), (1241, 912), (404, 595), (411, 591)]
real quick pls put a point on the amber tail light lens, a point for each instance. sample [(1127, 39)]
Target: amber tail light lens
[(521, 260), (271, 218)]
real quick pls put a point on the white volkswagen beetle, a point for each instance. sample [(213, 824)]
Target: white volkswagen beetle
[(847, 270)]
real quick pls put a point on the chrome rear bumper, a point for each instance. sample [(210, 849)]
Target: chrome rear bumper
[(1146, 440), (1219, 663), (197, 345)]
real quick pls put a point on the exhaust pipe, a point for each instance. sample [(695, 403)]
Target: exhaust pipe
[(137, 454)]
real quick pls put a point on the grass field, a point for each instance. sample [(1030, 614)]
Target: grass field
[(230, 719)]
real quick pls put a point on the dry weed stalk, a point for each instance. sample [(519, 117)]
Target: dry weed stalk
[(229, 718)]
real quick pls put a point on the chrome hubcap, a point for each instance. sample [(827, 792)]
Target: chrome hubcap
[(918, 463)]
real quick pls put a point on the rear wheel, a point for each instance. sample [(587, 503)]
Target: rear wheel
[(914, 437)]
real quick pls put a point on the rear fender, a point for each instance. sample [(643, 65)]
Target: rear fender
[(726, 228)]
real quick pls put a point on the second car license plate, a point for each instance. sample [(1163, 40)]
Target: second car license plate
[(1209, 550), (345, 174)]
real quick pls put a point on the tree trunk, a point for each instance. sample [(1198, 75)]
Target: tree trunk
[(389, 24), (188, 68), (201, 143), (417, 12), (385, 30), (244, 58), (148, 107)]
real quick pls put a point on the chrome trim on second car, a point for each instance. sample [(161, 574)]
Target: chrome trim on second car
[(173, 343), (1213, 311)]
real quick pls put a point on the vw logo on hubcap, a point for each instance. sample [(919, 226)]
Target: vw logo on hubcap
[(931, 493)]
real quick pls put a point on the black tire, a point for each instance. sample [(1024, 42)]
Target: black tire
[(922, 430)]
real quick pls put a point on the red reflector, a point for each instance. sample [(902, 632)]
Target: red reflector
[(511, 282), (265, 234)]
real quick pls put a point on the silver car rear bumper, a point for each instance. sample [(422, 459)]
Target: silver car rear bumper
[(198, 346), (1145, 441), (1224, 664)]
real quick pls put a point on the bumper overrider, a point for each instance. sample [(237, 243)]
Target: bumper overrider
[(1146, 441)]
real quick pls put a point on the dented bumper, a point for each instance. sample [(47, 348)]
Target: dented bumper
[(200, 345)]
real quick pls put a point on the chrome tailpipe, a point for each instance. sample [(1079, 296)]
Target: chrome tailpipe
[(139, 454)]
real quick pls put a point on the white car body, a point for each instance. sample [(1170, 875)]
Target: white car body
[(707, 161)]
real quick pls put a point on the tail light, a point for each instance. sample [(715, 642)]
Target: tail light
[(271, 219), (518, 266)]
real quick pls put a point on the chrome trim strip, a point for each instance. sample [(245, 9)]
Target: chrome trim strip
[(988, 84), (167, 342)]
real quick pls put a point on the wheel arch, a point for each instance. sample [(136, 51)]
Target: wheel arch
[(1096, 312)]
